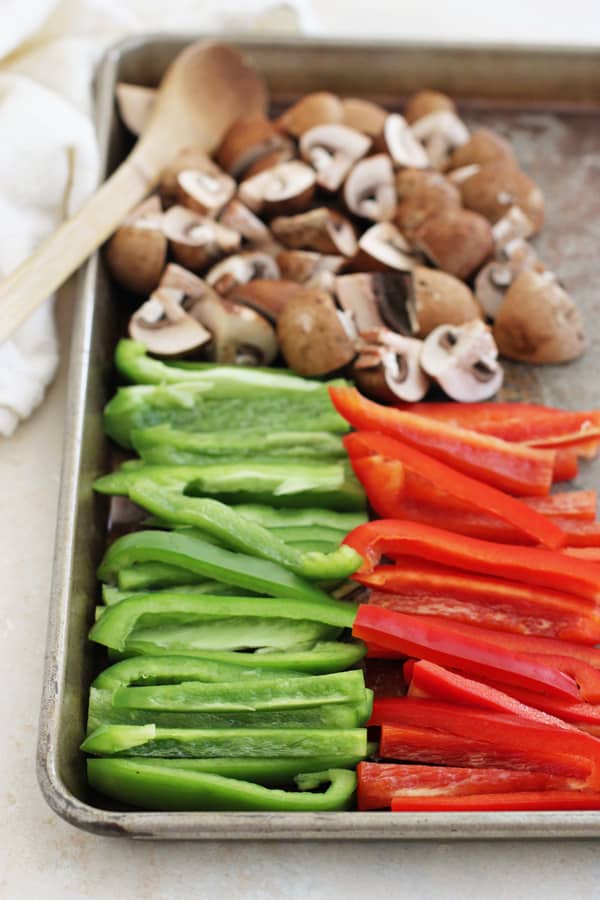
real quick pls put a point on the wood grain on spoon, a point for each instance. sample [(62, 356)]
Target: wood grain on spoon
[(204, 90)]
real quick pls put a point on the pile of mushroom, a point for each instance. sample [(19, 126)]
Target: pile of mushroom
[(346, 238)]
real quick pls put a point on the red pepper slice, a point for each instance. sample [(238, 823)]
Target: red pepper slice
[(378, 783), (585, 716), (568, 504), (532, 565), (424, 637), (592, 554), (513, 468), (373, 472), (565, 465), (513, 802)]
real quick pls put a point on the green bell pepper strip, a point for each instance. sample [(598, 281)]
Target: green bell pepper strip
[(198, 556), (134, 363), (192, 407), (147, 740), (172, 789), (271, 517), (112, 595), (140, 615), (157, 575), (291, 533)]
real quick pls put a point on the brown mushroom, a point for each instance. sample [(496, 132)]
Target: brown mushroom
[(238, 217), (423, 103), (318, 108), (388, 367), (499, 185), (369, 190), (456, 240), (400, 142), (364, 115), (204, 190), (284, 189), (247, 141), (384, 247), (514, 225), (240, 335), (320, 229), (440, 133), (441, 299), (270, 160), (307, 267), (332, 149), (241, 268), (377, 299), (135, 103), (420, 194), (463, 360), (483, 146), (268, 296), (137, 252), (181, 279), (164, 325), (188, 158), (311, 335), (538, 322), (196, 240), (495, 278)]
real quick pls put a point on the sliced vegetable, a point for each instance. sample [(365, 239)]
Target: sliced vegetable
[(515, 802)]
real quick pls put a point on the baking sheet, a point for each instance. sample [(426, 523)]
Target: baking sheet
[(547, 102)]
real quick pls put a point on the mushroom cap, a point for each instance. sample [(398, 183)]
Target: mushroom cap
[(425, 102), (303, 266), (378, 299), (286, 188), (268, 296), (240, 335), (388, 367), (422, 193), (205, 191), (311, 335), (384, 247), (135, 103), (247, 141), (369, 190), (270, 160), (197, 240), (499, 185), (464, 361), (241, 268), (313, 109), (495, 278), (164, 326), (181, 279), (364, 115), (137, 251), (187, 158), (538, 322), (238, 217), (401, 143), (457, 240), (332, 149), (441, 299), (483, 146), (323, 230), (514, 225)]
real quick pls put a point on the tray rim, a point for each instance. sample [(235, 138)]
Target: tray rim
[(231, 825)]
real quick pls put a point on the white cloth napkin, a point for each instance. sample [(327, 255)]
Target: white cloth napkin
[(48, 155)]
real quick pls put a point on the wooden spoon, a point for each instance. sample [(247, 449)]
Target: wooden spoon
[(206, 88)]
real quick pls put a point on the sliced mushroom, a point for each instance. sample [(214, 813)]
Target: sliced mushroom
[(514, 225), (319, 108), (441, 299), (188, 158), (241, 268), (284, 189), (388, 367), (401, 144), (369, 190), (181, 279), (423, 103), (205, 190), (483, 146), (247, 141), (320, 229), (538, 322), (270, 160), (493, 281), (421, 194), (307, 267), (268, 296), (464, 361), (137, 252), (164, 325), (312, 337), (240, 335), (332, 150), (135, 104), (457, 176), (376, 299), (239, 218), (499, 185), (364, 115), (384, 247), (197, 241), (456, 240), (440, 133)]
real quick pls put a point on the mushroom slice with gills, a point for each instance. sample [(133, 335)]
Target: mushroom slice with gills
[(369, 190), (307, 267), (284, 189), (313, 337), (241, 268), (463, 360), (181, 279), (240, 335), (425, 102), (422, 193), (197, 241), (238, 217), (456, 240), (377, 299), (247, 141), (440, 133), (164, 325), (514, 225), (318, 108), (270, 160), (497, 186), (320, 229), (388, 367), (364, 115), (187, 158), (137, 251), (482, 147), (332, 149), (401, 143), (383, 247), (538, 322), (205, 190), (441, 299), (135, 103), (493, 281)]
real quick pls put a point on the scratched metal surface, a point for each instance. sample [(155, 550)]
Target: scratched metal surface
[(547, 102)]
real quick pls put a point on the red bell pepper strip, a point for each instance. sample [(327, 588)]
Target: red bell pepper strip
[(585, 716), (532, 565), (584, 442), (509, 802), (378, 783), (372, 471), (513, 468), (592, 554), (424, 637), (565, 465), (568, 504)]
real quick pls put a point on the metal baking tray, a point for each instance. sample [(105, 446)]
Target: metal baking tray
[(547, 101)]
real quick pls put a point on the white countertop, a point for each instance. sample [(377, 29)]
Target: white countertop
[(40, 855)]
